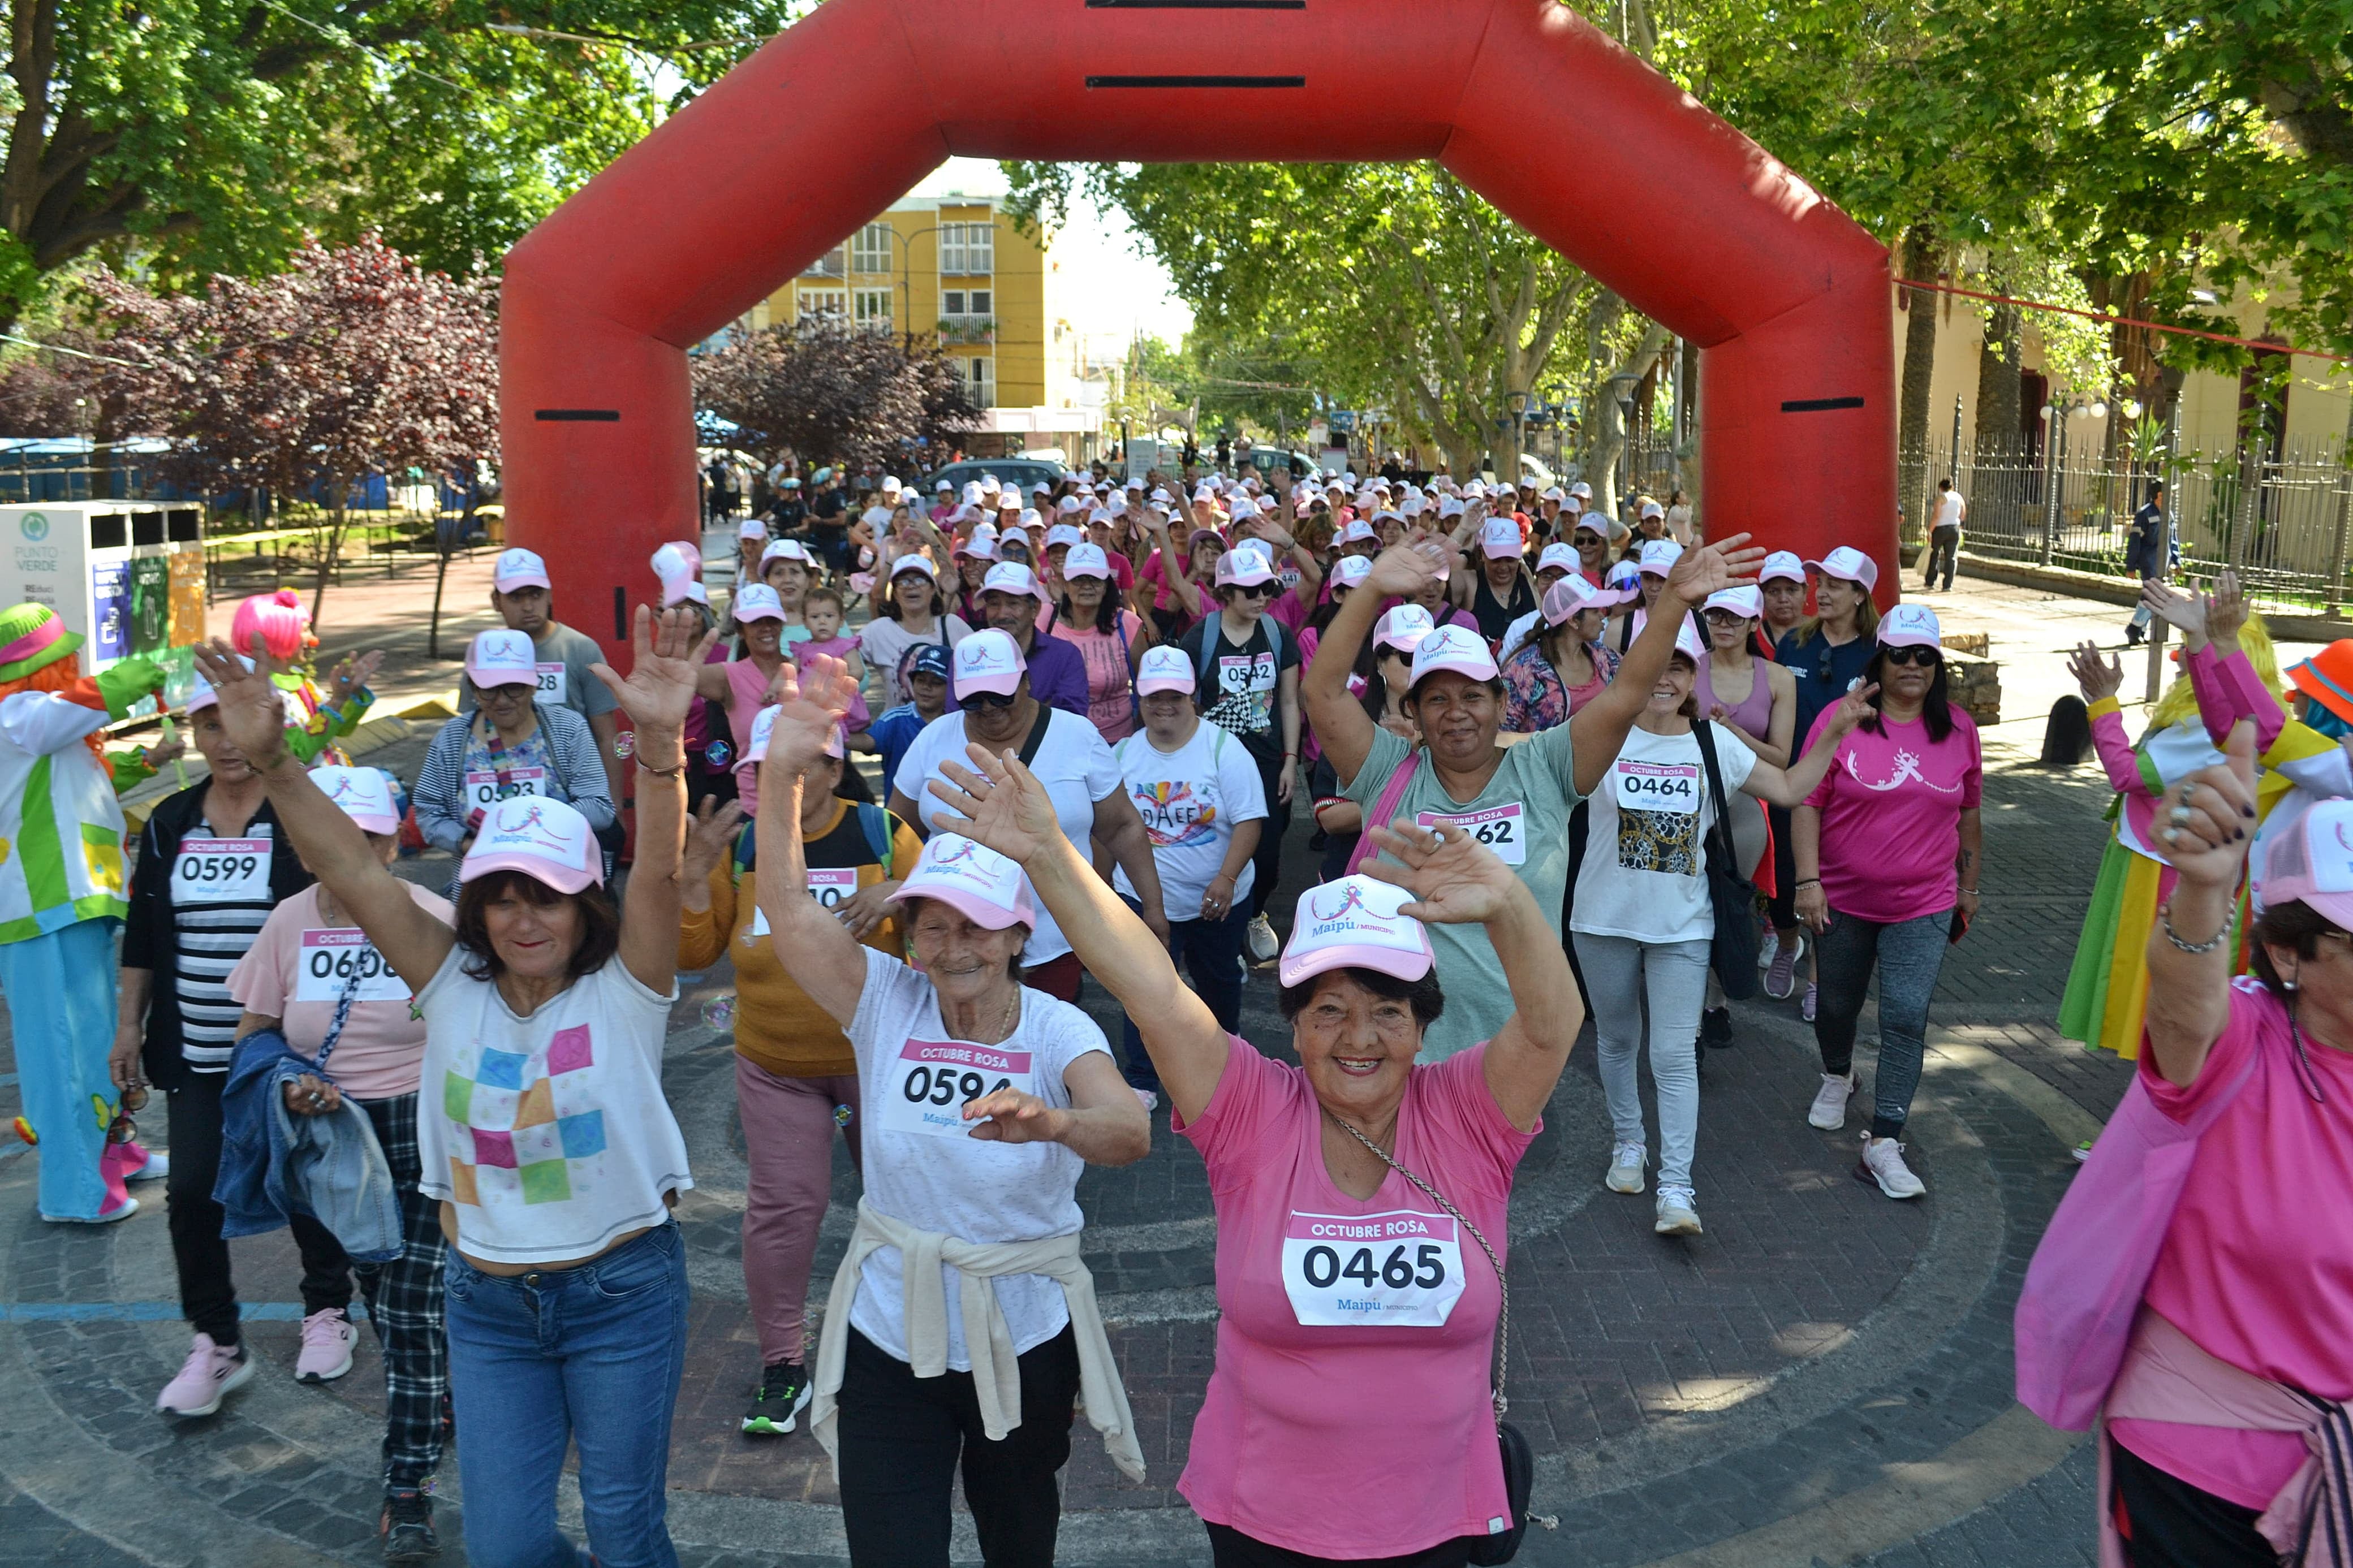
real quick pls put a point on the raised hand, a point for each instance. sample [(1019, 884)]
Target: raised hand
[(811, 698), (1003, 804), (2098, 678), (1453, 877), (354, 673), (2185, 613), (251, 710), (1853, 709), (709, 839), (1406, 569), (2207, 821), (666, 653), (1705, 569), (2226, 611)]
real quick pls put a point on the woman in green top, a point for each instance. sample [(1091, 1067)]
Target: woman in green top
[(1511, 792)]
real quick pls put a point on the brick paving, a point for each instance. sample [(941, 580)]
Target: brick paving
[(1679, 1394)]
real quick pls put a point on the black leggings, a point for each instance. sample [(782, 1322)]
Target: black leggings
[(1267, 859), (2168, 1523), (207, 1294)]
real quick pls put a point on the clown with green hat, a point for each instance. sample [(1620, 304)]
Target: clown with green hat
[(62, 894)]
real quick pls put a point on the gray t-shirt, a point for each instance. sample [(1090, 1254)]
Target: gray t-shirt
[(564, 656), (1523, 815)]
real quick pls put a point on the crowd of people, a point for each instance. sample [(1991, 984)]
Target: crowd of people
[(920, 779)]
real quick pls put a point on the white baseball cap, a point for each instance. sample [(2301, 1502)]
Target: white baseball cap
[(1581, 491), (519, 569), (1687, 641), (989, 485), (1625, 574), (1850, 564), (1783, 565), (752, 528), (502, 658), (1403, 627), (545, 840), (890, 484), (981, 546), (948, 485), (1552, 492), (1451, 506), (1351, 570), (1499, 537), (1573, 593), (758, 601), (987, 661), (1242, 568), (1748, 600), (970, 878), (202, 695), (763, 724), (1659, 557), (913, 564), (1456, 648), (1067, 533), (1910, 625), (1086, 561), (2312, 862), (1652, 509), (364, 793), (1560, 558), (1010, 577), (1355, 923), (1358, 531), (1163, 669)]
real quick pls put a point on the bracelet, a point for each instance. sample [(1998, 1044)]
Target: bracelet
[(2165, 918), (1806, 882), (1971, 892), (678, 772)]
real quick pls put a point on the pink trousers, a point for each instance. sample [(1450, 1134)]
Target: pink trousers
[(788, 1126)]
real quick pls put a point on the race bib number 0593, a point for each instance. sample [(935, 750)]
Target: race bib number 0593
[(1503, 829), (930, 1083), (484, 790), (1399, 1269), (221, 871), (1657, 787), (329, 957)]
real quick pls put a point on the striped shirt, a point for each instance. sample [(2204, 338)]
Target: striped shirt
[(209, 938)]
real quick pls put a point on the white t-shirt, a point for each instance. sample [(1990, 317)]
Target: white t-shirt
[(1073, 764), (549, 1133), (922, 1166), (1949, 509), (1516, 636), (1645, 871), (885, 641), (1190, 800)]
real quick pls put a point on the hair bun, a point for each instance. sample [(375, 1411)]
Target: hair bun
[(288, 596)]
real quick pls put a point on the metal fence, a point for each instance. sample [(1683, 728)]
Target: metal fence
[(2279, 518)]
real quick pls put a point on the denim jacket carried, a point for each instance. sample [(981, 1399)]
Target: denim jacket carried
[(275, 1165)]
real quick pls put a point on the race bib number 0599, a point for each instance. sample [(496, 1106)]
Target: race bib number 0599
[(221, 871), (1657, 787), (1503, 829), (1399, 1269), (329, 957), (930, 1083)]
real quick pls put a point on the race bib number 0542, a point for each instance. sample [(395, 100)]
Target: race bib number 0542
[(1657, 787), (329, 957), (221, 871), (1399, 1269), (1503, 829), (930, 1083)]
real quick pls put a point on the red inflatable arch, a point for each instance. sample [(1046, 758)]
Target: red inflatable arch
[(1597, 154)]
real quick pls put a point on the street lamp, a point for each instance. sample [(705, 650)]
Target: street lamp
[(1516, 399)]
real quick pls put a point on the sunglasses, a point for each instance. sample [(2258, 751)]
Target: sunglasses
[(1724, 618), (1257, 590), (988, 701), (1913, 655)]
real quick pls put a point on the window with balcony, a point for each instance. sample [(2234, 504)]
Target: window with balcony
[(823, 302), (872, 308), (834, 263), (870, 252), (967, 249), (979, 377)]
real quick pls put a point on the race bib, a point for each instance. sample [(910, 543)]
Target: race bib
[(1503, 829), (551, 685), (221, 871), (830, 886), (487, 789), (1238, 673), (1399, 1269), (930, 1083), (1657, 787), (329, 957)]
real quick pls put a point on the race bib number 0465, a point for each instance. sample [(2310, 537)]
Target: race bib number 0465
[(221, 871), (930, 1083), (1503, 829), (329, 957), (1657, 787), (1399, 1269)]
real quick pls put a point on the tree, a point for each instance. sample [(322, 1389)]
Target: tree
[(819, 386), (213, 137), (355, 360)]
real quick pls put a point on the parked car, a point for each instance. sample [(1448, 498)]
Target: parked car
[(1023, 471), (1274, 460)]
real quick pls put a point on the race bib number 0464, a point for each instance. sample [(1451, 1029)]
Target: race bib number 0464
[(1503, 829), (1657, 787), (931, 1080), (329, 957), (221, 871), (1399, 1269)]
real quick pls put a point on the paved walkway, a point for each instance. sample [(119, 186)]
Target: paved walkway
[(1823, 1378)]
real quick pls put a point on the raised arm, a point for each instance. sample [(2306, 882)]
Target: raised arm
[(1337, 718), (1600, 728), (660, 688), (411, 940), (816, 949), (2190, 992)]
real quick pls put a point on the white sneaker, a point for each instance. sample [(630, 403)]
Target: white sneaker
[(1883, 1162), (1626, 1164), (1829, 1109), (157, 1167), (1765, 949), (1677, 1212), (1259, 940)]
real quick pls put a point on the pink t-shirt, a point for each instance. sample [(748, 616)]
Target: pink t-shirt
[(2257, 1266), (1404, 1401), (1111, 680), (298, 955), (1891, 808)]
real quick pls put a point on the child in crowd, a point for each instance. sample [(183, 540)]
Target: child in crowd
[(822, 613)]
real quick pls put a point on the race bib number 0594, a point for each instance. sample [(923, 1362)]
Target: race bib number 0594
[(1657, 787), (1503, 829), (221, 871), (931, 1080), (329, 957), (1399, 1269)]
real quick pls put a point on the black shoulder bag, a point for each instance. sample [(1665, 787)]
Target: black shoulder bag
[(1519, 1459), (1733, 955)]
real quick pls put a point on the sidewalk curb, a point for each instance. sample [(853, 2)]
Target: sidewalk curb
[(2114, 591)]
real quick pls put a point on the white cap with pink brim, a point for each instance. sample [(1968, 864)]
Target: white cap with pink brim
[(974, 880), (1353, 923), (544, 839)]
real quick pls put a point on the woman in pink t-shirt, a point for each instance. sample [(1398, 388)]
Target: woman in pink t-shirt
[(1108, 635), (1348, 1291), (1888, 851)]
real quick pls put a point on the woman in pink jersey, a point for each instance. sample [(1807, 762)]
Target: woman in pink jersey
[(1348, 1290)]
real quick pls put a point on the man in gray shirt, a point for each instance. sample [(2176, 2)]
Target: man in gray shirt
[(521, 593)]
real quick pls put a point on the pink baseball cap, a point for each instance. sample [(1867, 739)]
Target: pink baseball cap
[(1748, 600), (1573, 593), (1783, 565), (971, 879), (1239, 568), (1358, 531), (757, 602), (1560, 558), (502, 658), (1010, 577), (1456, 648), (981, 546), (1066, 533), (751, 528), (544, 839), (1163, 669), (519, 569), (364, 793), (1910, 625), (1659, 557), (1850, 564), (783, 550), (912, 565), (1086, 561), (2312, 863), (1687, 642), (1353, 923), (987, 661), (1499, 537), (1403, 627), (1350, 571)]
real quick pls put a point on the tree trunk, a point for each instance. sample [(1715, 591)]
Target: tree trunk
[(1922, 257), (338, 519), (1999, 414), (445, 548)]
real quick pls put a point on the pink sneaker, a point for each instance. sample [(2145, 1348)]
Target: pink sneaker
[(326, 1355), (210, 1373)]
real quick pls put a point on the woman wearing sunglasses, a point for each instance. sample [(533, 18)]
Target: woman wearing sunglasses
[(1889, 850)]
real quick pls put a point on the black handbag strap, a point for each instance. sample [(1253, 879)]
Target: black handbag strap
[(1719, 832), (1037, 735)]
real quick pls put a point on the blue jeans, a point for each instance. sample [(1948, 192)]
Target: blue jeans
[(591, 1355), (1211, 953), (1910, 955)]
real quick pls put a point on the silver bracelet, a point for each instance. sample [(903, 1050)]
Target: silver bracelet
[(2165, 918)]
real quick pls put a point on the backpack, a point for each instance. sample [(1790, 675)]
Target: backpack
[(878, 824)]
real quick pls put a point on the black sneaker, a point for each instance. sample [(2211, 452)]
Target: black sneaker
[(1715, 1028), (407, 1528), (784, 1392)]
